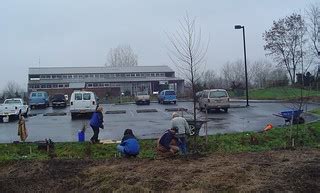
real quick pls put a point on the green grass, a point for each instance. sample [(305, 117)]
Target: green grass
[(307, 135), (279, 93)]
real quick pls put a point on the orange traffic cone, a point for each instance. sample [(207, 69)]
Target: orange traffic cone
[(268, 127)]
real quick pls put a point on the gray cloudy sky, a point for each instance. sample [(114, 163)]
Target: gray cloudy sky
[(81, 32)]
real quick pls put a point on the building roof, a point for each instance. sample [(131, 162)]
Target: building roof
[(146, 79), (100, 69)]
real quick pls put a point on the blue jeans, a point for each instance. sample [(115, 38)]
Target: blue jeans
[(183, 145), (120, 149)]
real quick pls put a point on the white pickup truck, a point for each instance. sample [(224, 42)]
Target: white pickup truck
[(142, 98), (11, 107)]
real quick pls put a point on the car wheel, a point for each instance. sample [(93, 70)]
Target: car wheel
[(73, 116), (174, 102), (26, 113), (192, 130), (225, 110)]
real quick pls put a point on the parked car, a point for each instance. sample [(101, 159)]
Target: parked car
[(11, 107), (82, 102), (38, 99), (167, 96), (142, 98), (214, 99), (58, 100)]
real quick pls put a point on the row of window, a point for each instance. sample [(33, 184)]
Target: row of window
[(95, 85), (80, 76), (88, 85), (49, 86)]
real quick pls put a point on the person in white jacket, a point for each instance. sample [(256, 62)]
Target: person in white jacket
[(183, 130)]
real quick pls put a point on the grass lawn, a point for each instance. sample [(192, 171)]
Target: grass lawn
[(307, 135), (280, 93)]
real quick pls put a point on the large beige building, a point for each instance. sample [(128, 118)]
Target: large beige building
[(104, 81)]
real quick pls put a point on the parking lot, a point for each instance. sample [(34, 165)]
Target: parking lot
[(147, 121)]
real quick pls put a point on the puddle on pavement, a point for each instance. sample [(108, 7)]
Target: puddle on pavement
[(116, 112), (146, 110)]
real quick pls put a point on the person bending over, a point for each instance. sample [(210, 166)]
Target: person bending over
[(168, 142), (129, 144)]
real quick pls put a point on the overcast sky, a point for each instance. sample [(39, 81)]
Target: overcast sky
[(81, 32)]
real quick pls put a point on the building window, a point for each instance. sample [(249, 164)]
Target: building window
[(69, 76), (106, 84), (48, 85), (89, 85), (64, 76), (66, 85), (151, 74), (60, 85), (54, 85)]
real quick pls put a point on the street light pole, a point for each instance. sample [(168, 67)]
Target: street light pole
[(245, 60)]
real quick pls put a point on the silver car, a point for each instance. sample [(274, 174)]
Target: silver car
[(214, 99)]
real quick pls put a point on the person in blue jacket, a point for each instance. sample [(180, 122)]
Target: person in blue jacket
[(96, 122), (129, 144)]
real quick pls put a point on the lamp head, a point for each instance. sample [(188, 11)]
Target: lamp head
[(238, 27)]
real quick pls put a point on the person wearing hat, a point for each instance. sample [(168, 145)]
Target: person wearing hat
[(184, 130), (96, 122), (167, 143)]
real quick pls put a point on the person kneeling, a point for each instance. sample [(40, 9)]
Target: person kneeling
[(129, 144), (168, 142)]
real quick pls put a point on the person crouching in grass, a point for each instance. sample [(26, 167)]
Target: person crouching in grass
[(129, 144), (168, 142)]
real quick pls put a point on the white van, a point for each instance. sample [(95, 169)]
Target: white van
[(82, 102), (214, 99)]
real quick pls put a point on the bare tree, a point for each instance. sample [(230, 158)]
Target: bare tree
[(188, 53), (12, 89), (122, 56), (285, 40), (313, 23), (232, 72), (209, 79), (261, 71)]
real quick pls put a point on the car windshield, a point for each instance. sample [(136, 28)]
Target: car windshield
[(12, 102), (217, 94), (86, 96), (58, 97), (78, 96), (170, 92)]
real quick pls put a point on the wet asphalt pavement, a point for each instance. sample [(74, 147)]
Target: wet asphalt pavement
[(147, 121)]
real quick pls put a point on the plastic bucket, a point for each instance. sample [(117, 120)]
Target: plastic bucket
[(5, 119), (81, 136)]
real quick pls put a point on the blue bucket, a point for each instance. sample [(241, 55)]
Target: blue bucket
[(81, 136)]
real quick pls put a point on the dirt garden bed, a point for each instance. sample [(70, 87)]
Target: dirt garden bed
[(283, 170)]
